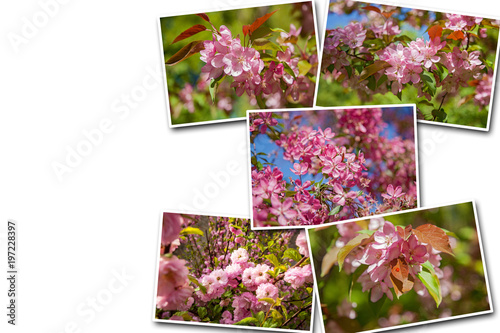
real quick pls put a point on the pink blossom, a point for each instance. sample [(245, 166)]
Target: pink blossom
[(295, 277), (259, 274), (173, 285), (267, 290), (283, 210), (171, 227), (239, 256), (300, 169), (393, 193), (301, 243)]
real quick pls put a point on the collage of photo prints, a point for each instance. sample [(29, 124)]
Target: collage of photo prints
[(336, 226)]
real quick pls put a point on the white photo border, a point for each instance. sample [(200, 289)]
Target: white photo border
[(400, 5), (157, 266), (424, 322), (319, 108), (162, 56)]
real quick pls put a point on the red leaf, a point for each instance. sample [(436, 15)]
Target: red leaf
[(457, 35), (400, 277), (435, 31), (249, 29), (404, 233), (372, 8), (204, 16), (190, 32), (388, 14), (184, 53), (434, 236)]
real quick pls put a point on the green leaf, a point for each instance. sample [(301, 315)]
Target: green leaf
[(372, 83), (202, 312), (247, 321), (439, 115), (288, 69), (195, 281), (191, 231), (367, 232), (382, 80), (262, 31), (354, 277), (267, 300), (184, 314), (349, 71), (429, 83), (353, 243), (292, 254), (213, 89), (431, 282), (273, 259), (260, 317), (336, 210), (377, 306), (304, 67), (265, 44)]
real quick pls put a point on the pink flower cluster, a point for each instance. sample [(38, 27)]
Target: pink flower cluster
[(225, 55), (483, 90), (387, 245), (461, 22), (406, 62), (297, 276), (464, 66), (174, 291)]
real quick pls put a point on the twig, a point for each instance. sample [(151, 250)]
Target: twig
[(296, 314), (355, 56), (442, 100), (282, 275)]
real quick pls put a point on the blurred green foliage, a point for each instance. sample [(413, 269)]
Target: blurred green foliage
[(467, 290)]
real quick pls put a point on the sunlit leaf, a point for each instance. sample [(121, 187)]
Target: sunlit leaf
[(435, 237), (292, 254), (400, 277), (329, 260), (267, 300), (191, 231), (431, 282), (372, 69), (304, 67), (353, 243), (435, 31), (336, 210), (247, 321), (273, 259), (456, 35)]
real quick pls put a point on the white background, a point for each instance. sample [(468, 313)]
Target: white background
[(102, 217)]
